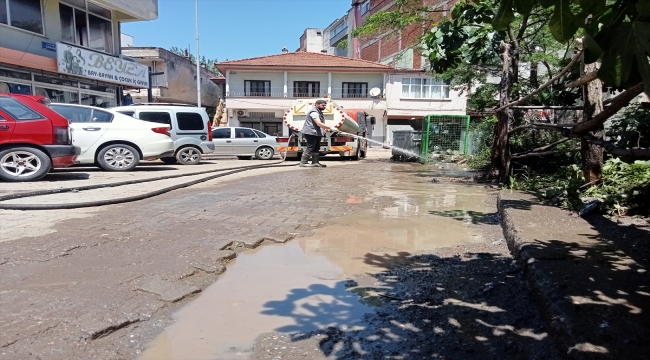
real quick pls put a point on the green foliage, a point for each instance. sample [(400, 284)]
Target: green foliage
[(484, 97), (616, 32), (483, 131), (633, 127), (625, 187), (343, 44), (206, 63)]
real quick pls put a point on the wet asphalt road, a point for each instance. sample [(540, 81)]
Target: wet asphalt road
[(105, 286)]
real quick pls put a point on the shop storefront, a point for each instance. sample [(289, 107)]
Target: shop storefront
[(84, 87)]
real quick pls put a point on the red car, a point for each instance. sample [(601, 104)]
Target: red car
[(33, 138)]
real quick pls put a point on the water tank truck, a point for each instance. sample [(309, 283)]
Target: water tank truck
[(350, 121)]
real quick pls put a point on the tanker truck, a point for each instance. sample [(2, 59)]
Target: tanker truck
[(347, 121)]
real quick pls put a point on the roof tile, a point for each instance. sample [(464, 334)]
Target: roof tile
[(306, 59)]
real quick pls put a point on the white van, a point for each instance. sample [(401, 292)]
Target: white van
[(190, 130)]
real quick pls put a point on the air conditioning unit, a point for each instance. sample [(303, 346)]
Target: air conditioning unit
[(242, 113)]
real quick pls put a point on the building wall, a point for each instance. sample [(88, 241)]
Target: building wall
[(139, 9), (178, 83), (311, 41), (393, 48), (404, 107)]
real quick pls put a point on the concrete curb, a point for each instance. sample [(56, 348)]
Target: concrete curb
[(555, 307)]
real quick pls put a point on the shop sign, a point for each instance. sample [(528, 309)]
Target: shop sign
[(93, 65)]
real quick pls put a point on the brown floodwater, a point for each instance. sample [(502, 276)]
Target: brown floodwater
[(317, 281)]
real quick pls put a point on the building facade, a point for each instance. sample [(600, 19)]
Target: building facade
[(259, 90), (177, 84), (69, 50)]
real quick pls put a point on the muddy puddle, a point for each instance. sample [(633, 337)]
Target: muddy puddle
[(322, 280)]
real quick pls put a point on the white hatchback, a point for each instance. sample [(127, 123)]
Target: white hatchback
[(114, 141)]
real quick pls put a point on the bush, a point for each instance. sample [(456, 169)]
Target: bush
[(623, 190)]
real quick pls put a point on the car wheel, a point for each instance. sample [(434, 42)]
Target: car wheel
[(23, 164), (264, 153), (118, 157), (243, 157), (188, 156), (169, 160)]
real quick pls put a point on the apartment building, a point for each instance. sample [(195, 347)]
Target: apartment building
[(69, 50), (259, 90)]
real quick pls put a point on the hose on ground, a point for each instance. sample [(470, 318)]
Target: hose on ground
[(221, 173)]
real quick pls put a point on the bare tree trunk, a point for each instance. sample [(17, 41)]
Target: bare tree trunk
[(592, 155), (501, 161)]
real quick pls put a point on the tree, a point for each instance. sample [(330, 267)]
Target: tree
[(610, 38), (615, 34), (206, 63)]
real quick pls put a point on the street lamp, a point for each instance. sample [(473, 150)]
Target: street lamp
[(198, 59)]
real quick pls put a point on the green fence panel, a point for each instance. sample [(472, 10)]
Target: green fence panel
[(445, 134)]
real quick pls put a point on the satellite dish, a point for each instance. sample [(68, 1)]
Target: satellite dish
[(374, 92)]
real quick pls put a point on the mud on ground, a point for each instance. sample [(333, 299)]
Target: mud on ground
[(464, 302)]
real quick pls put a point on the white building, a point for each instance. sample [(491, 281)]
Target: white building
[(259, 90), (69, 50)]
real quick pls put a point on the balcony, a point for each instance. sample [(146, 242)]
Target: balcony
[(278, 92)]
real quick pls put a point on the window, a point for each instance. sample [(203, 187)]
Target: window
[(257, 88), (17, 110), (157, 117), (189, 121), (221, 133), (355, 90), (77, 114), (260, 134), (22, 14), (244, 133), (318, 33), (86, 24), (104, 101), (306, 88), (417, 88), (58, 96), (129, 113), (365, 7)]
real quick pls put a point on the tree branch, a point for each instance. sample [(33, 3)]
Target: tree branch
[(617, 103), (574, 61), (524, 26), (543, 148), (583, 80), (637, 153), (527, 155), (540, 126)]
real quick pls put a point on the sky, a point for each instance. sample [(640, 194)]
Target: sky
[(235, 29)]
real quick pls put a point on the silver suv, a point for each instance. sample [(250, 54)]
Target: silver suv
[(190, 128)]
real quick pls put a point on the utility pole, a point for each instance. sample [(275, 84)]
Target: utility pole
[(151, 75), (198, 59)]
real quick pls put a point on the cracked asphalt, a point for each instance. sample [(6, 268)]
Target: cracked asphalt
[(105, 285)]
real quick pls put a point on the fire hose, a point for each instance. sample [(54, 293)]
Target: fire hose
[(221, 173)]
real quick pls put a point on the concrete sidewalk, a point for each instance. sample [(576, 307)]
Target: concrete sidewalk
[(590, 276)]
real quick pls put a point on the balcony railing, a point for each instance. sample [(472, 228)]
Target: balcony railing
[(278, 92)]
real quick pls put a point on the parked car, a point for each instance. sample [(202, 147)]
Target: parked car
[(33, 138), (190, 128), (114, 141), (243, 143)]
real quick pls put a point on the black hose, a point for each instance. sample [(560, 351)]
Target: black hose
[(125, 199)]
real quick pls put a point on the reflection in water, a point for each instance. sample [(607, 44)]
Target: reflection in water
[(300, 286)]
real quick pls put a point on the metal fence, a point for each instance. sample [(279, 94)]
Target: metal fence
[(445, 134)]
